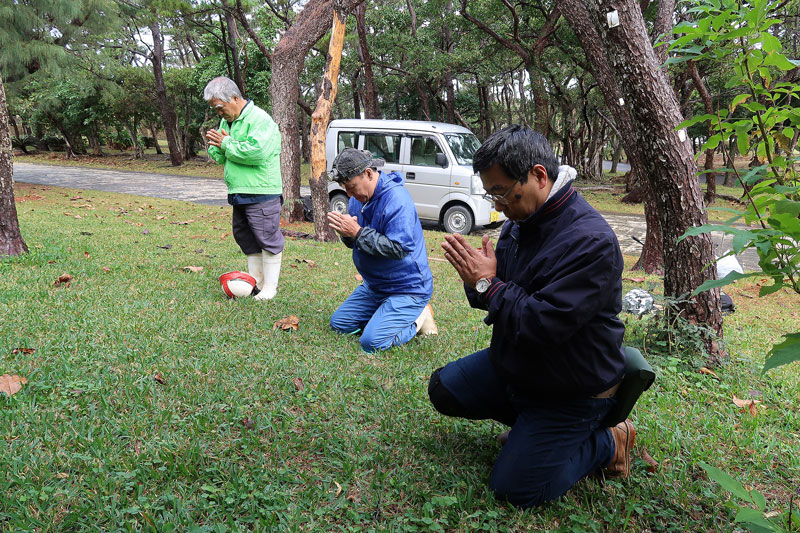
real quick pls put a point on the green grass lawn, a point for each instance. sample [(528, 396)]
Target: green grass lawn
[(153, 403)]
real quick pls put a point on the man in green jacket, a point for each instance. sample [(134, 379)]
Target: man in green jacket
[(248, 143)]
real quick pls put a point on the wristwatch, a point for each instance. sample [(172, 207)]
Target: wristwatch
[(482, 285)]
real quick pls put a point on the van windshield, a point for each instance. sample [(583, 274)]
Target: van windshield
[(463, 146)]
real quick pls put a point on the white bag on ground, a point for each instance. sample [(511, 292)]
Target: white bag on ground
[(728, 264)]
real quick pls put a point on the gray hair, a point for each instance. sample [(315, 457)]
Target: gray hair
[(221, 88)]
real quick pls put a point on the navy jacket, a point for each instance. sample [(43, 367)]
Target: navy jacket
[(389, 251), (554, 302)]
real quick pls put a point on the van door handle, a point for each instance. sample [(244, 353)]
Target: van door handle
[(410, 175)]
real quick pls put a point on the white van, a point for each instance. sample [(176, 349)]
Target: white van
[(436, 160)]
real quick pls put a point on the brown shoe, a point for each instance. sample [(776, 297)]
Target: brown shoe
[(624, 435)]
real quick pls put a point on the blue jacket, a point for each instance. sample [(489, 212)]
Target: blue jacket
[(554, 302), (389, 251)]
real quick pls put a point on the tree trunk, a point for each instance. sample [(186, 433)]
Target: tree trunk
[(730, 175), (319, 125), (423, 98), (13, 122), (287, 64), (230, 22), (306, 145), (711, 177), (154, 133), (357, 95), (64, 134), (615, 157), (643, 102), (94, 140), (11, 242), (133, 132), (371, 105), (167, 113), (449, 47)]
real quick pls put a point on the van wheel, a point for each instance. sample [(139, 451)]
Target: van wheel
[(339, 203), (457, 219)]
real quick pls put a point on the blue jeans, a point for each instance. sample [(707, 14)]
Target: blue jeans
[(386, 319), (552, 444)]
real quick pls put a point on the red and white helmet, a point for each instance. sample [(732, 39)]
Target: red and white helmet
[(237, 284)]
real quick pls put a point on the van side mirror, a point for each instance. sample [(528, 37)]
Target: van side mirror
[(441, 159)]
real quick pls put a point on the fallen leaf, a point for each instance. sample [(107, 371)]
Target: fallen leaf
[(749, 404), (11, 384), (359, 277), (298, 384), (247, 423), (137, 447), (106, 269), (165, 247), (87, 233), (193, 269), (62, 475), (635, 280), (437, 259), (160, 217), (286, 323), (86, 255), (23, 350), (63, 279), (652, 464), (75, 198), (184, 222), (309, 261), (159, 378), (146, 232), (338, 489), (224, 235), (708, 372)]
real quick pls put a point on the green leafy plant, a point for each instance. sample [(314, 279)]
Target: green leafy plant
[(742, 37), (669, 333), (754, 515)]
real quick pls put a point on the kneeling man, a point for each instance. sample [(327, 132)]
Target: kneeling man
[(384, 231), (552, 290)]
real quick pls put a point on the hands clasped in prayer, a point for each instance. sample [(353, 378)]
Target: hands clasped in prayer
[(471, 263), (215, 137), (344, 225)]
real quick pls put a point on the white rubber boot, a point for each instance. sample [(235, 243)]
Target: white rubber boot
[(425, 323), (272, 271), (255, 267)]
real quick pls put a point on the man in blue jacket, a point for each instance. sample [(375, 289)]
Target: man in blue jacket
[(553, 290), (384, 231)]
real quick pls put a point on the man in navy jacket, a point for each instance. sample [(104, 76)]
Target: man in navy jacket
[(384, 231), (552, 289)]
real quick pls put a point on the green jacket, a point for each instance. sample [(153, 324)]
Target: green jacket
[(251, 153)]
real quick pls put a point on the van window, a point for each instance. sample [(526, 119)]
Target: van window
[(463, 145), (423, 151), (347, 139), (383, 145)]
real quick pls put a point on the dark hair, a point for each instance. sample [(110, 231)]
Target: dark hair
[(517, 149)]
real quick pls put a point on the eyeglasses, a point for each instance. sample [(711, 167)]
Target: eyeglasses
[(499, 198)]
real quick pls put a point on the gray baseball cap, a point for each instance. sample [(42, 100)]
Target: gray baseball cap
[(351, 162)]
